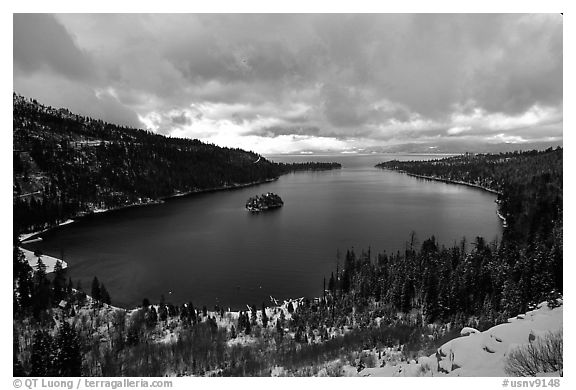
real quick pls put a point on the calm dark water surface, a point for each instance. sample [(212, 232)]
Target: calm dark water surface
[(208, 249)]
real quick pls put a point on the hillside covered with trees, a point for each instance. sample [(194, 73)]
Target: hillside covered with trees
[(66, 164), (399, 306), (529, 185), (494, 279)]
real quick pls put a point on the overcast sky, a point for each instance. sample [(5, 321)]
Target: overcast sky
[(294, 83)]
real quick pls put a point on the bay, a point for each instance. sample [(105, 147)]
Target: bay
[(208, 249)]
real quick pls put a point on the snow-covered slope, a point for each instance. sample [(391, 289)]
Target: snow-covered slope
[(49, 261), (480, 353)]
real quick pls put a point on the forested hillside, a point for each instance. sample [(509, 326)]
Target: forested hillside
[(397, 306), (526, 266), (67, 164), (529, 185)]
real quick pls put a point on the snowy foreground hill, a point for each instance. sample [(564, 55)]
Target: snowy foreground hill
[(477, 353)]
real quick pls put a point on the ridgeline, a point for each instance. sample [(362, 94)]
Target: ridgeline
[(67, 165)]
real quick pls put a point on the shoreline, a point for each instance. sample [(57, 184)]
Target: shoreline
[(26, 238), (49, 261), (30, 238), (230, 187), (449, 181), (434, 178)]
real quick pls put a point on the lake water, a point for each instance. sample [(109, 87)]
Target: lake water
[(206, 248)]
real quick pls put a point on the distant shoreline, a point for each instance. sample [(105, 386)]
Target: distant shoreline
[(449, 181), (452, 182)]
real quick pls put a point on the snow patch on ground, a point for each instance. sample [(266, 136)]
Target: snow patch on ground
[(479, 353), (49, 261), (25, 236)]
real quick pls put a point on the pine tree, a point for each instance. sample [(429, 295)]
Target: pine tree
[(253, 315), (264, 316), (163, 313), (59, 282), (241, 324), (42, 358), (17, 369), (23, 281), (133, 336), (298, 335), (151, 317), (279, 333), (69, 287), (105, 296), (42, 296), (68, 357), (96, 293), (248, 328), (192, 312), (331, 283)]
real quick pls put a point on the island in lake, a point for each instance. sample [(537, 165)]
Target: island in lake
[(263, 202)]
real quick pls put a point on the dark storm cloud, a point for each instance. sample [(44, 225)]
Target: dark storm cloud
[(376, 76), (42, 43), (50, 66)]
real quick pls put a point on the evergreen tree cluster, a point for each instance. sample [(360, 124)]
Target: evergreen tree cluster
[(470, 283), (529, 185), (36, 293), (58, 356), (492, 281), (99, 292), (66, 165)]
